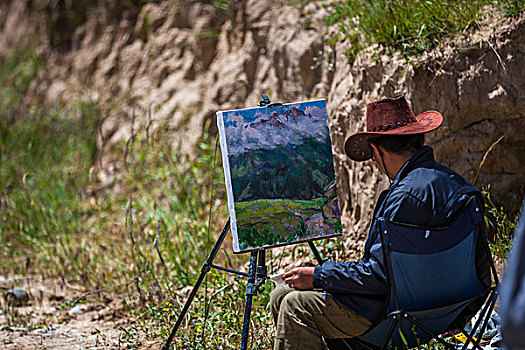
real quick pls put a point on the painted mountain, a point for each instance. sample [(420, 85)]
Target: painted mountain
[(279, 172)]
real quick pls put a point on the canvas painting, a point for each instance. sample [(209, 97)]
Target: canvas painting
[(279, 175)]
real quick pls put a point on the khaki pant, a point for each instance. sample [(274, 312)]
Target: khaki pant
[(303, 318)]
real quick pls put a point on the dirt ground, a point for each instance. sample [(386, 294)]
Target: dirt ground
[(62, 316)]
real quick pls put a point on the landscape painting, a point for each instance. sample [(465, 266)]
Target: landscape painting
[(279, 175)]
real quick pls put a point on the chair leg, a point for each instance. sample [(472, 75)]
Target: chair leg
[(361, 345), (349, 344), (470, 340), (490, 308), (484, 316), (337, 344), (488, 313), (390, 332)]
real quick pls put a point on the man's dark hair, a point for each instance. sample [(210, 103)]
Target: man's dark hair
[(400, 144)]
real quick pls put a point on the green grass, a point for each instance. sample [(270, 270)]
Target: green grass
[(510, 7), (409, 26), (267, 222), (45, 157), (175, 211), (46, 154), (16, 74), (145, 238), (145, 242)]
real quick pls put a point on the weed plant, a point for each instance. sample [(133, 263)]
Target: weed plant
[(146, 238), (146, 242), (175, 209), (501, 224), (410, 26)]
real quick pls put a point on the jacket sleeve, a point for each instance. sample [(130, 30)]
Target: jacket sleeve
[(363, 277)]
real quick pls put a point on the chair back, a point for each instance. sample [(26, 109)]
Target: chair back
[(433, 267), (432, 276)]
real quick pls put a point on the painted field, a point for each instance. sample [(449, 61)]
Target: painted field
[(271, 222)]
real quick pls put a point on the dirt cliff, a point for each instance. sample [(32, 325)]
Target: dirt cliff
[(173, 64)]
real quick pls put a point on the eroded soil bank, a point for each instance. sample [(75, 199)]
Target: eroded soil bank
[(173, 65)]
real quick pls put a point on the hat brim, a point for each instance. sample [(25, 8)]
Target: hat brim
[(357, 146)]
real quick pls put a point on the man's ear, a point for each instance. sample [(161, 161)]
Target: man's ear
[(374, 149)]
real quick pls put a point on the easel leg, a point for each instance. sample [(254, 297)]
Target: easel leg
[(256, 274), (204, 270), (251, 290), (316, 253)]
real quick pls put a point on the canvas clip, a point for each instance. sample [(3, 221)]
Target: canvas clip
[(265, 102)]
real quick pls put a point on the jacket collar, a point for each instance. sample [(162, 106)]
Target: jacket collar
[(424, 154)]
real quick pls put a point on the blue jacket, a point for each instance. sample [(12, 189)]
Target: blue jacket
[(425, 193)]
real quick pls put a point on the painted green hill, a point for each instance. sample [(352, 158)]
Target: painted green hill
[(294, 172)]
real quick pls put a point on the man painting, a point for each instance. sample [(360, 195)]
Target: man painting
[(343, 299)]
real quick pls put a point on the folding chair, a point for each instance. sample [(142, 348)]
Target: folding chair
[(434, 285)]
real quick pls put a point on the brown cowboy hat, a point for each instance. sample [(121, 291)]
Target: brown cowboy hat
[(390, 116)]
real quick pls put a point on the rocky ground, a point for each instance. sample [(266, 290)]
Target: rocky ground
[(58, 315)]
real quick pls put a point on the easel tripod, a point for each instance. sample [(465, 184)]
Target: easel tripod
[(256, 276)]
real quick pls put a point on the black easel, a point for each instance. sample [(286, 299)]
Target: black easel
[(257, 274), (256, 277)]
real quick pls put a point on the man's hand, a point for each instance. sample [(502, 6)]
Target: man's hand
[(300, 278)]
